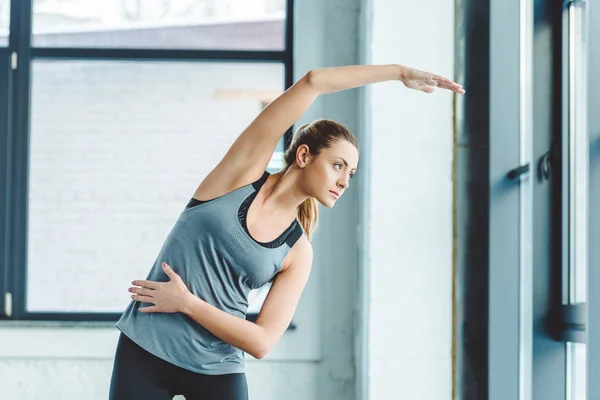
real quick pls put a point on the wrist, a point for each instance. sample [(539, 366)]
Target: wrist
[(401, 71), (190, 302)]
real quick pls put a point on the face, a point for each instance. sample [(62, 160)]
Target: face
[(327, 176)]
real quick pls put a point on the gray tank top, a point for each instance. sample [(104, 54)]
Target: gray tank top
[(211, 249)]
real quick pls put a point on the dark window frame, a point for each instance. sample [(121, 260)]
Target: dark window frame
[(550, 323), (580, 322), (554, 323), (14, 142)]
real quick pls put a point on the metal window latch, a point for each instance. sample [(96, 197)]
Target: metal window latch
[(547, 162), (518, 172), (545, 166)]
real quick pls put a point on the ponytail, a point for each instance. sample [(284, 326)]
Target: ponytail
[(308, 216)]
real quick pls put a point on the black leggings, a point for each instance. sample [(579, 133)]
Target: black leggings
[(137, 375)]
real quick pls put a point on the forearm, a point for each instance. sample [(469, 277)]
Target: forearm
[(335, 79), (245, 335)]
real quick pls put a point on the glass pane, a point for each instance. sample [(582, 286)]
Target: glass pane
[(576, 353), (117, 150), (160, 24), (578, 186), (579, 149), (4, 21)]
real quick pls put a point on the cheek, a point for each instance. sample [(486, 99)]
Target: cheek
[(320, 179), (328, 176)]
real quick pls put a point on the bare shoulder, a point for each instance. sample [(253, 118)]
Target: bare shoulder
[(300, 255)]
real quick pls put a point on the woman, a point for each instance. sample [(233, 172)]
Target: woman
[(243, 228)]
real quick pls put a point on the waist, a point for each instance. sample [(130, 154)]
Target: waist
[(180, 340)]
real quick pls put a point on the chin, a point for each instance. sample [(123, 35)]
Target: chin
[(329, 203)]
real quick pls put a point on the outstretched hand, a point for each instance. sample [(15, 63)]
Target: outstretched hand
[(168, 297), (427, 82)]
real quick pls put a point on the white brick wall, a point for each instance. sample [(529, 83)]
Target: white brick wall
[(117, 150)]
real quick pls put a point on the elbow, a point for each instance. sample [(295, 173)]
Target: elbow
[(259, 355), (261, 349), (260, 352), (311, 79)]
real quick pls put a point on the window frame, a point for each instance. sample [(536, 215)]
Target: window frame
[(14, 142), (593, 272), (527, 347), (578, 322), (572, 327), (510, 195), (527, 329)]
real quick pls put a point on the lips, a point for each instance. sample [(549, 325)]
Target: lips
[(336, 194)]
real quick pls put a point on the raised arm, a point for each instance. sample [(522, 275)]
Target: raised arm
[(251, 152)]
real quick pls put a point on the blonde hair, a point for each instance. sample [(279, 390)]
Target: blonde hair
[(317, 135)]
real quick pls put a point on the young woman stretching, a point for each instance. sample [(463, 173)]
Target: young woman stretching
[(184, 331)]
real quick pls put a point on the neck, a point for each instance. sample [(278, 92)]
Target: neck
[(282, 192)]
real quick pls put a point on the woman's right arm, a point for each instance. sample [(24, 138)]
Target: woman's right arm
[(249, 155)]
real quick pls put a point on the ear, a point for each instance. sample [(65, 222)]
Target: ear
[(303, 156)]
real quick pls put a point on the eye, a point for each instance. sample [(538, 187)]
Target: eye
[(351, 176), (338, 165)]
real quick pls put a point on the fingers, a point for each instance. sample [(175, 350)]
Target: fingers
[(142, 291), (147, 284), (452, 86), (148, 309), (455, 87), (168, 270), (443, 79), (430, 82), (142, 299), (155, 285), (446, 83), (426, 82)]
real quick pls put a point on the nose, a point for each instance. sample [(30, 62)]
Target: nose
[(343, 183)]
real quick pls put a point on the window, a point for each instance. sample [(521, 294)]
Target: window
[(575, 145), (553, 352), (165, 24), (4, 21), (108, 181), (131, 104)]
